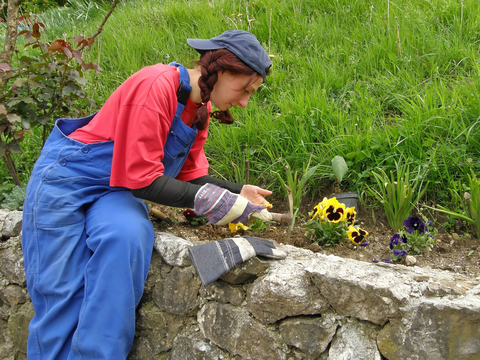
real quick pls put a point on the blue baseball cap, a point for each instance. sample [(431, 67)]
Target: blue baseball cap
[(243, 44)]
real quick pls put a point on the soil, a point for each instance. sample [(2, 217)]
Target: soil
[(456, 249)]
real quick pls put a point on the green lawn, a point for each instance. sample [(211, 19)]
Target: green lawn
[(376, 82)]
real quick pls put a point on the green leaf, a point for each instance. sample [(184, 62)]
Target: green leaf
[(428, 143), (13, 101), (14, 118), (392, 56), (42, 119), (26, 124), (28, 100), (19, 82), (26, 59), (339, 167), (67, 90), (81, 93), (15, 148), (81, 81)]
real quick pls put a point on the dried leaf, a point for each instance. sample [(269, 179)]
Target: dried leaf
[(4, 67), (67, 52)]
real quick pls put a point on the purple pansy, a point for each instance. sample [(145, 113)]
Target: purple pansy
[(400, 253), (396, 239), (413, 223)]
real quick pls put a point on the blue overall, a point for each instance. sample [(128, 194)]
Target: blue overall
[(87, 247)]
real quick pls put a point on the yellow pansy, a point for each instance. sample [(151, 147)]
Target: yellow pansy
[(356, 235), (237, 227), (318, 210), (351, 214), (268, 205), (334, 211)]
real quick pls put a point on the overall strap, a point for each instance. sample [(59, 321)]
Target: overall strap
[(183, 91)]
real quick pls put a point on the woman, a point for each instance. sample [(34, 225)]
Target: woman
[(87, 240)]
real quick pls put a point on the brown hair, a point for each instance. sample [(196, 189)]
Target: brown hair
[(211, 62)]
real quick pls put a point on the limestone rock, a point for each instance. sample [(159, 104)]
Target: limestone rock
[(310, 335), (355, 340), (178, 294), (285, 291), (360, 289), (434, 328), (7, 349), (247, 271), (173, 249), (141, 351), (156, 276), (11, 298), (11, 261), (18, 326), (3, 215), (12, 224), (158, 328), (193, 346), (223, 292), (245, 337)]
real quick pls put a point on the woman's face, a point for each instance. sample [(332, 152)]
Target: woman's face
[(234, 90)]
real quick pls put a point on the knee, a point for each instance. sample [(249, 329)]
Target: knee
[(136, 236)]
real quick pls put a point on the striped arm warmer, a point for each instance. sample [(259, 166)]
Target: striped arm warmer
[(221, 207)]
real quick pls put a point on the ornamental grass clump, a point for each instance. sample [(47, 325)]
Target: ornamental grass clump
[(414, 238), (469, 205), (398, 194), (331, 223)]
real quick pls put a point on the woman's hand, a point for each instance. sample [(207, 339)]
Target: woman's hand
[(255, 194)]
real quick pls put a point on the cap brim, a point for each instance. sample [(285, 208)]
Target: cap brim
[(203, 44)]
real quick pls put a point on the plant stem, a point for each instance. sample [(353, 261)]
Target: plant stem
[(7, 159)]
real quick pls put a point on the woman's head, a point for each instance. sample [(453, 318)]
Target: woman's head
[(233, 66)]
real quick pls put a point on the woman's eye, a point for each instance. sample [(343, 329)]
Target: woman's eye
[(246, 92)]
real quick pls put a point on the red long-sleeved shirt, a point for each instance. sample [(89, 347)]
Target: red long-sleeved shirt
[(137, 117)]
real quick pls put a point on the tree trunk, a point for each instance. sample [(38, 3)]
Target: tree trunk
[(11, 33), (7, 159)]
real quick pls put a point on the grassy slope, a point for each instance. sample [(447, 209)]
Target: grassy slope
[(371, 82)]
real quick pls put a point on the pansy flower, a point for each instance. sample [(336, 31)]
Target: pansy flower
[(396, 239), (413, 223), (334, 211), (400, 253), (351, 214), (189, 214), (237, 227), (318, 210), (356, 235)]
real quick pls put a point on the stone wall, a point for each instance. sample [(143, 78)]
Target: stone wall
[(308, 306)]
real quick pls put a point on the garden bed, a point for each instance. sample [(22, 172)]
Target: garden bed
[(456, 251)]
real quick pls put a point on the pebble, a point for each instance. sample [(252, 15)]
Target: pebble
[(410, 260)]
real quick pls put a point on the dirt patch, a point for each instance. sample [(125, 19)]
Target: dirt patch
[(456, 250)]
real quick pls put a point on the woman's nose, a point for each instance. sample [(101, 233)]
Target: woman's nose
[(244, 102)]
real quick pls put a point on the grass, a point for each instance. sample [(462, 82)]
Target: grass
[(349, 78)]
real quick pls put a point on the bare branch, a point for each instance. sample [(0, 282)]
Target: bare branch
[(100, 28)]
